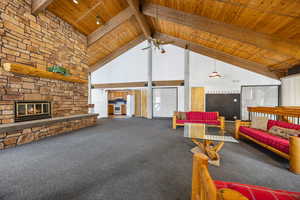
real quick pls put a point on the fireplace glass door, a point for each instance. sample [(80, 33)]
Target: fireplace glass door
[(26, 111)]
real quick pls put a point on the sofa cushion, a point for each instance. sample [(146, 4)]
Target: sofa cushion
[(263, 193), (210, 122), (260, 123), (282, 124), (266, 138), (202, 116), (283, 132), (181, 115)]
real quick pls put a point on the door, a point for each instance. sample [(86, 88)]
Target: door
[(197, 99), (228, 105)]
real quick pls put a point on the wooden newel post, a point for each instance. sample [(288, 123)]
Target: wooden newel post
[(294, 154), (237, 128)]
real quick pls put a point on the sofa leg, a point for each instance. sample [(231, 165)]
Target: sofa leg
[(294, 154)]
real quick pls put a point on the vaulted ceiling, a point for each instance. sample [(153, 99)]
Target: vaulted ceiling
[(259, 35)]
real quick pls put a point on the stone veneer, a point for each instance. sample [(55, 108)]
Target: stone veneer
[(27, 135), (40, 41)]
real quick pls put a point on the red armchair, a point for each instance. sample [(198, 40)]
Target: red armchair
[(210, 118), (205, 188)]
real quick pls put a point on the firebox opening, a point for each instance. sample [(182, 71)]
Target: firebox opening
[(32, 110)]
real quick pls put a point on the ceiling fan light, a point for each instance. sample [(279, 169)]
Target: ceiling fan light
[(76, 1)]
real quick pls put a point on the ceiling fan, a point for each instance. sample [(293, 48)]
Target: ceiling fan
[(158, 45)]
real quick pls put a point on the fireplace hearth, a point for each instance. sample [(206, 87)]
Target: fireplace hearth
[(32, 110)]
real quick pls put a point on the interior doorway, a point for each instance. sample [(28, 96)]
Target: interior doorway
[(120, 103)]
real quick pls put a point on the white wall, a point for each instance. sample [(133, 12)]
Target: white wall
[(290, 94), (99, 98), (132, 67)]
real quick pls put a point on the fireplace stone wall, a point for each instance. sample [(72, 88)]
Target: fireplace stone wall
[(40, 41)]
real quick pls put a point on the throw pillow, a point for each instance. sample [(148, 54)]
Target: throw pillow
[(283, 132), (260, 123), (181, 115)]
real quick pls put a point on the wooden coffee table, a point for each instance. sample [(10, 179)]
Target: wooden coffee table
[(209, 140)]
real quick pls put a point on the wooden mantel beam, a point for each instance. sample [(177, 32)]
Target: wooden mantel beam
[(110, 25), (264, 41), (39, 5), (219, 55), (135, 7), (117, 53)]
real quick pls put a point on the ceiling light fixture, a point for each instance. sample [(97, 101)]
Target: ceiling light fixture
[(98, 20), (76, 1), (215, 74)]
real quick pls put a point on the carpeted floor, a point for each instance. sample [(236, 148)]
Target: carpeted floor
[(127, 159)]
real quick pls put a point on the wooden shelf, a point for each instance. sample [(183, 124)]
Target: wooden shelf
[(31, 71)]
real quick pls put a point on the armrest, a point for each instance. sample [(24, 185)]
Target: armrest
[(295, 154), (229, 194), (237, 128), (222, 122), (174, 119)]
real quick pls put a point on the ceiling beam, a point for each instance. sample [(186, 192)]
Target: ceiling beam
[(117, 53), (139, 84), (135, 7), (39, 5), (219, 55), (110, 25), (264, 41)]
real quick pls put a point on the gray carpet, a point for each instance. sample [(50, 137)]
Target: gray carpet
[(127, 159)]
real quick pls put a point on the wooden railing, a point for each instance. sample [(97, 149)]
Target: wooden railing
[(289, 114)]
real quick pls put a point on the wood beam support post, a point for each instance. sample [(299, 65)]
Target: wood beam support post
[(186, 79), (149, 88), (140, 17)]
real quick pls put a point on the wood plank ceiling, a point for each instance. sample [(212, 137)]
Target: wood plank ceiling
[(262, 33)]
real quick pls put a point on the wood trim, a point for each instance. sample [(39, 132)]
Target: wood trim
[(219, 55), (110, 25), (117, 53), (265, 41), (291, 111), (135, 7), (39, 5), (31, 71), (138, 84)]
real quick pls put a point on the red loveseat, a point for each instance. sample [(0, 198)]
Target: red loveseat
[(288, 149), (205, 188), (210, 118)]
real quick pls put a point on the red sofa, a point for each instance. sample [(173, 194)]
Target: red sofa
[(210, 118), (205, 188), (289, 149)]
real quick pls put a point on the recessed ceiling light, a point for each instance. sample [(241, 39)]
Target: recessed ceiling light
[(98, 20), (76, 1)]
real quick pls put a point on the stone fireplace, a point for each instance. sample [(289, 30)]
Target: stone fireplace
[(32, 110), (31, 107)]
